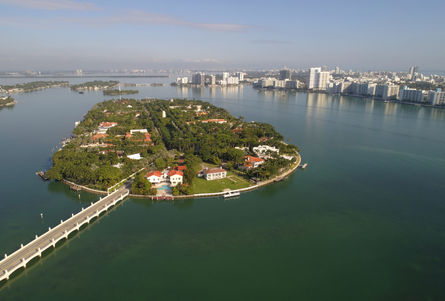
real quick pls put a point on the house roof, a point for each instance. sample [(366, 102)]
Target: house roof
[(253, 159), (214, 170), (182, 167), (107, 124), (156, 173), (175, 172), (98, 136)]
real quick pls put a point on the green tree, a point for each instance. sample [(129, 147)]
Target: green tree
[(142, 186)]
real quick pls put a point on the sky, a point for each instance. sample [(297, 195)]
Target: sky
[(251, 35)]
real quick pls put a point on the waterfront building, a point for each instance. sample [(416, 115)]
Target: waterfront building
[(292, 84), (264, 151), (182, 80), (387, 91), (390, 91), (198, 78), (175, 177), (252, 162), (412, 95), (225, 75), (436, 98), (285, 74), (318, 79), (265, 82), (154, 177), (214, 174), (210, 80), (279, 83), (240, 76), (232, 80)]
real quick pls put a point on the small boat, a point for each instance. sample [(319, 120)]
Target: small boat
[(303, 166), (41, 174), (81, 92), (231, 194)]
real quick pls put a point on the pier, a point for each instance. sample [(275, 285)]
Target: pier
[(20, 258)]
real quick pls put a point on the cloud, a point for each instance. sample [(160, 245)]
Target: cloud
[(148, 18), (270, 42), (51, 4), (135, 17)]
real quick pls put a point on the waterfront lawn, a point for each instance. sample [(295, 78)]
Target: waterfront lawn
[(201, 185)]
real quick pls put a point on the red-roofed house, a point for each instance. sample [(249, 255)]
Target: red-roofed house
[(154, 177), (181, 168), (252, 162), (99, 136), (175, 177), (107, 125)]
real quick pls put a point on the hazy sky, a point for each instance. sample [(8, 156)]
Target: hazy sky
[(71, 34)]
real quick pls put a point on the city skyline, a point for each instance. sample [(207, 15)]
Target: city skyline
[(68, 34)]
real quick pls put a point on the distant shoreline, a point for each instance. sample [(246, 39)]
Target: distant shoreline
[(86, 76)]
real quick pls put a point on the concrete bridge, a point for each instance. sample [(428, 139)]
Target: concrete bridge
[(19, 259)]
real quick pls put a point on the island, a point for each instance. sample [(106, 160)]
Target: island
[(95, 85), (115, 92), (6, 101), (33, 86), (175, 147)]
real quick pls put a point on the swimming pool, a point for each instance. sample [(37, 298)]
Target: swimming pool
[(164, 187)]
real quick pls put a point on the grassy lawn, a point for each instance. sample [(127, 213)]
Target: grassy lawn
[(232, 182)]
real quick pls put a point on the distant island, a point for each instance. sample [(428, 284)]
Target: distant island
[(95, 85), (33, 86), (7, 101), (179, 147), (115, 92)]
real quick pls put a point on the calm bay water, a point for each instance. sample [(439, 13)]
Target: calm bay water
[(365, 221)]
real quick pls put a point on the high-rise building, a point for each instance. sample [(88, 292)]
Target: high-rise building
[(337, 70), (225, 75), (412, 95), (285, 74), (412, 71), (232, 80), (198, 78), (240, 76), (390, 91), (318, 80), (436, 98), (79, 72), (210, 79), (182, 80)]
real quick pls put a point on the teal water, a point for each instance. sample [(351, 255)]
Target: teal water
[(365, 221)]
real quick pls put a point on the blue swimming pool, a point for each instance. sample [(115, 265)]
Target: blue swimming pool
[(164, 187)]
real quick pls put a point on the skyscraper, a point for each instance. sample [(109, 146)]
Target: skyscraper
[(412, 71), (318, 79), (285, 74)]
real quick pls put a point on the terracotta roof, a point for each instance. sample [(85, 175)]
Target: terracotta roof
[(107, 124), (182, 167), (156, 173), (175, 172), (98, 136), (253, 159)]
